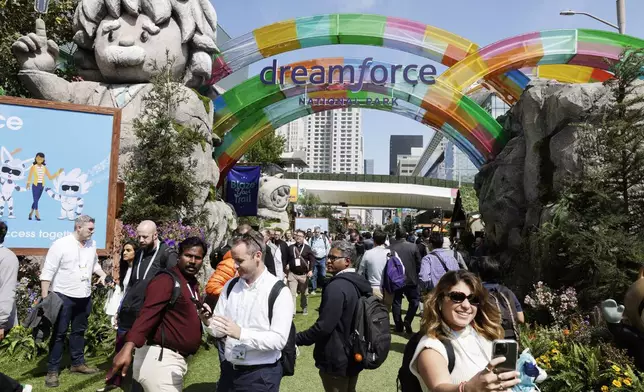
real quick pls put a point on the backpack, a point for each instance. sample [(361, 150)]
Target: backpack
[(394, 277), (406, 381), (135, 295), (424, 279), (289, 352), (176, 292), (370, 340), (503, 298)]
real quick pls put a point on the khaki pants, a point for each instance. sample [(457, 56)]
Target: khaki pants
[(298, 284), (155, 376), (338, 383), (385, 298)]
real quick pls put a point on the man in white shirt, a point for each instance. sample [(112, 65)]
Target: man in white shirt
[(67, 272), (320, 245), (373, 264), (253, 344)]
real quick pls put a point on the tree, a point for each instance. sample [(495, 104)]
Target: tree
[(469, 199), (409, 223), (160, 177), (17, 18), (268, 149)]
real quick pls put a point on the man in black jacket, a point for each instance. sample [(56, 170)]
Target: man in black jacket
[(300, 265), (410, 257), (153, 255), (278, 240), (331, 332)]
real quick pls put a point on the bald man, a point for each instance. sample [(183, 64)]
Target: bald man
[(153, 255)]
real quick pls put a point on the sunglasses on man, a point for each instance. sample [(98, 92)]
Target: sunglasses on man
[(457, 297)]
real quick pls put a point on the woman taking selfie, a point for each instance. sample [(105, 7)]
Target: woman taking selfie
[(458, 311)]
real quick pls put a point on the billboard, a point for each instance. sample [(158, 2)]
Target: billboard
[(242, 189), (58, 161), (309, 223)]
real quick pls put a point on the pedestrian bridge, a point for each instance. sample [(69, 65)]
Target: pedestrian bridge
[(371, 191)]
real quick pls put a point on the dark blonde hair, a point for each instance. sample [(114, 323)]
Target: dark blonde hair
[(487, 321)]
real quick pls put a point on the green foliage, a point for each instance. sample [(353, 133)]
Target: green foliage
[(160, 178), (18, 18), (469, 199), (594, 241), (100, 335), (268, 149), (20, 346)]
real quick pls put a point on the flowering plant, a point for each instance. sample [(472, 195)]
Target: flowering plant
[(561, 305), (171, 233)]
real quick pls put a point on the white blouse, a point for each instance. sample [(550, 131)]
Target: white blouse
[(472, 353)]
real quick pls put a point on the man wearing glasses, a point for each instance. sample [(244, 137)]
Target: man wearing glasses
[(300, 263), (254, 343)]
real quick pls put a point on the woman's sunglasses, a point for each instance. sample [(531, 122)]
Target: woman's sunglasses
[(457, 297)]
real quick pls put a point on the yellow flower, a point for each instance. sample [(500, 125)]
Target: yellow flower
[(617, 383), (616, 368), (604, 388), (627, 381), (554, 351)]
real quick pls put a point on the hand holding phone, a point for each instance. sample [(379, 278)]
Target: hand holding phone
[(508, 349)]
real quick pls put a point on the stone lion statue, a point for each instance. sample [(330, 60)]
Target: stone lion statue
[(274, 194), (122, 45)]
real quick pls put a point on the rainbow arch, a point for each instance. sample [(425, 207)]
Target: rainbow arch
[(376, 30), (254, 127), (478, 134)]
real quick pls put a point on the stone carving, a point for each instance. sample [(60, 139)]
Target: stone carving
[(274, 194), (122, 44), (512, 189)]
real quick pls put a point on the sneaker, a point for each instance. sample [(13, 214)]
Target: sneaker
[(305, 311), (83, 369), (26, 388), (51, 379)]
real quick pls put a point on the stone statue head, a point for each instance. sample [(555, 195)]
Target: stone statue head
[(274, 193), (128, 41)]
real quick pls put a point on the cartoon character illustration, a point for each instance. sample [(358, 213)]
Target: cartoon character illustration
[(529, 373), (13, 169), (37, 174), (67, 189)]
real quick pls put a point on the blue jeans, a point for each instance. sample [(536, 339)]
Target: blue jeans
[(319, 273), (263, 379), (76, 311)]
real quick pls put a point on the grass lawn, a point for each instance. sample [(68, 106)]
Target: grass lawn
[(203, 368)]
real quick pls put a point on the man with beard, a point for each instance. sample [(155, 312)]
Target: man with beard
[(153, 255), (300, 264), (166, 333)]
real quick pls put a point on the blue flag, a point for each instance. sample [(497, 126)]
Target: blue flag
[(242, 189)]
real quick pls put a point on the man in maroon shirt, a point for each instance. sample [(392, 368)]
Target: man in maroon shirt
[(165, 335)]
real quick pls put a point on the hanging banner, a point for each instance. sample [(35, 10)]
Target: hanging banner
[(242, 189)]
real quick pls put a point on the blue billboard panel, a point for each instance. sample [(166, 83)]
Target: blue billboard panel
[(56, 163)]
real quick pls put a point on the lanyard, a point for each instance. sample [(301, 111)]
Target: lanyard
[(138, 268), (192, 293)]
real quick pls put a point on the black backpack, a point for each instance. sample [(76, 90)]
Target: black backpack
[(406, 381), (176, 292), (502, 296), (371, 336), (289, 353)]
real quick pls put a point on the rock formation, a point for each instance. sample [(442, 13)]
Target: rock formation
[(516, 188), (121, 46)]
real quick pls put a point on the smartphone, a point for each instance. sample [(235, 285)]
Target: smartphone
[(201, 308), (508, 349)]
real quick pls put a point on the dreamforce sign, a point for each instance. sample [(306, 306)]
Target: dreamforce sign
[(379, 74)]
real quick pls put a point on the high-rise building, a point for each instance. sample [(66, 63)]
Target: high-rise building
[(295, 135), (407, 163), (334, 142), (401, 145), (368, 166)]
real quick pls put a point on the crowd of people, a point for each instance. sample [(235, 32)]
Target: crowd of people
[(250, 301)]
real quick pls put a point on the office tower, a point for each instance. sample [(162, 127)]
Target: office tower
[(294, 134), (401, 145), (407, 163), (334, 142), (368, 166)]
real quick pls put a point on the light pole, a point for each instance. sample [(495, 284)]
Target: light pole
[(621, 16)]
